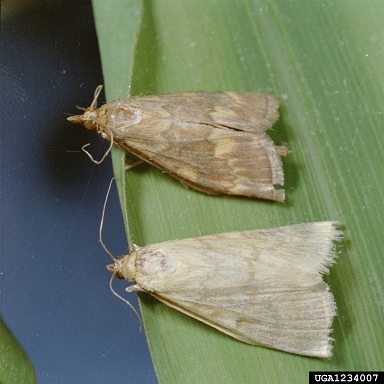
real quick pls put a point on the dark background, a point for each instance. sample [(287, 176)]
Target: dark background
[(54, 285)]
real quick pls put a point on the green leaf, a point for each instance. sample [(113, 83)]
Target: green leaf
[(324, 61), (15, 366)]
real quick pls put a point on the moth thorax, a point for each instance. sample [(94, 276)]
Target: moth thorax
[(129, 266), (122, 114)]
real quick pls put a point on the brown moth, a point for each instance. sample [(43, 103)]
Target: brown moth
[(263, 287), (213, 142)]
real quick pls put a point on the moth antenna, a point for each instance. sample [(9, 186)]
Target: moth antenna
[(96, 96), (126, 302), (105, 154), (114, 259), (94, 101), (102, 221)]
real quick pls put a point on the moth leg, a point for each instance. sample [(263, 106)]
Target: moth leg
[(134, 288), (131, 161), (282, 149), (135, 247), (128, 165)]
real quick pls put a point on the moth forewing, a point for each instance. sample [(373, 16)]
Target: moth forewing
[(263, 287), (212, 142)]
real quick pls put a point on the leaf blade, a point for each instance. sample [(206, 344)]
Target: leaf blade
[(312, 57)]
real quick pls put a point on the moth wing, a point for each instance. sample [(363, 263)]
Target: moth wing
[(212, 142), (261, 287), (245, 111), (258, 110), (214, 160)]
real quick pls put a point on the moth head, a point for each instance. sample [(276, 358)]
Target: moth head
[(90, 118), (117, 267)]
